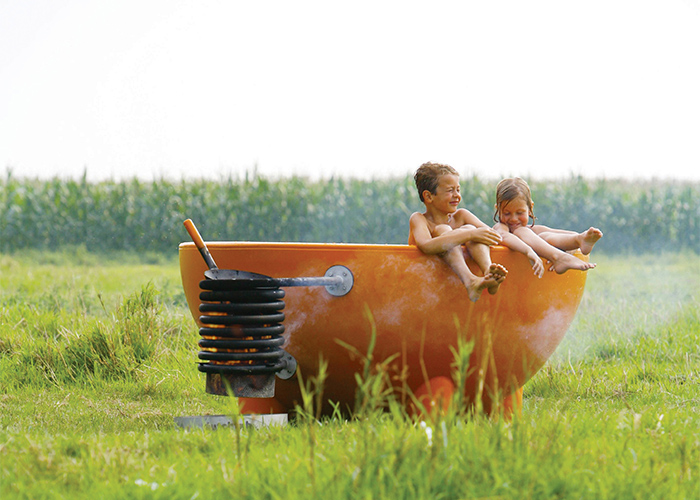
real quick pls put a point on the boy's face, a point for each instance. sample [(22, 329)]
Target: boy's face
[(514, 214), (447, 195)]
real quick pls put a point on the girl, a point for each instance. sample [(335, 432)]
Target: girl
[(514, 211)]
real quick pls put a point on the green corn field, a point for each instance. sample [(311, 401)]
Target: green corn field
[(142, 216)]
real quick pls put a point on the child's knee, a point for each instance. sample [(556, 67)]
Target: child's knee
[(442, 229)]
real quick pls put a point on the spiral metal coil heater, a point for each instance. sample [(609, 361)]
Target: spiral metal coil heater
[(241, 345)]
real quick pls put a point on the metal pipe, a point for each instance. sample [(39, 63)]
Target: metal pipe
[(312, 281)]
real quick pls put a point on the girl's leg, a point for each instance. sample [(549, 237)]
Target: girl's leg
[(569, 240), (560, 238), (561, 261)]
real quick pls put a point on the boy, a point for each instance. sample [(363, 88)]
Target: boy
[(444, 228)]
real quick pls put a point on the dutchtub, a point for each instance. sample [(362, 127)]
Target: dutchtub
[(413, 306)]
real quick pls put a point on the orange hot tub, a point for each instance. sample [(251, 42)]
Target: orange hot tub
[(419, 307)]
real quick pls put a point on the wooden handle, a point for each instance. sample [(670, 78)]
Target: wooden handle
[(199, 242), (194, 234)]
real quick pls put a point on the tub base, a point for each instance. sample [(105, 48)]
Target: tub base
[(244, 386)]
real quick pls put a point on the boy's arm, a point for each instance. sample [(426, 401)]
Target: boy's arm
[(431, 245), (421, 237), (480, 233)]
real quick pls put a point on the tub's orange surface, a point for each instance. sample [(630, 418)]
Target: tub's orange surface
[(419, 308)]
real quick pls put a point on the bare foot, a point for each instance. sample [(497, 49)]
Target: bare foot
[(494, 277), (589, 238), (566, 261), (476, 286)]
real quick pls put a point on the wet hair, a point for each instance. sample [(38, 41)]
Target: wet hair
[(427, 177), (509, 190)]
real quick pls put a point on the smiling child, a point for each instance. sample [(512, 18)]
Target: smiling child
[(444, 228), (514, 209)]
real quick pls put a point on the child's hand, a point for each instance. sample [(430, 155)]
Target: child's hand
[(536, 263), (484, 235)]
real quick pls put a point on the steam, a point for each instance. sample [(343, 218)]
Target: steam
[(629, 296)]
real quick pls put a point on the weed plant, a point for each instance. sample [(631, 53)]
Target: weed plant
[(93, 370)]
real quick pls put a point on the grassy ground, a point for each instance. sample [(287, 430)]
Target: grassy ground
[(98, 355)]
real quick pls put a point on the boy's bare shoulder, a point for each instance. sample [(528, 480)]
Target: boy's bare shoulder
[(464, 216), (417, 217), (418, 224)]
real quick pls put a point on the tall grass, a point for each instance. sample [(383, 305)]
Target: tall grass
[(613, 415), (147, 216), (64, 322)]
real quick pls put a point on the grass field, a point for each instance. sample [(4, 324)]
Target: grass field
[(97, 355)]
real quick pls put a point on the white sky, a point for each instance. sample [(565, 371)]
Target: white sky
[(152, 88)]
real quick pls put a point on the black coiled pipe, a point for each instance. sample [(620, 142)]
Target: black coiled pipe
[(242, 327)]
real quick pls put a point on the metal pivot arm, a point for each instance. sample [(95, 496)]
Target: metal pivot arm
[(338, 281)]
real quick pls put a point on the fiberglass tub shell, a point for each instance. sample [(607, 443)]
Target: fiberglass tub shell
[(417, 308)]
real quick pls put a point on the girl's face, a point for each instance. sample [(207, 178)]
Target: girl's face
[(514, 214)]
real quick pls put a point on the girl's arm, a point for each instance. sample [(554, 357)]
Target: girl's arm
[(516, 244)]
